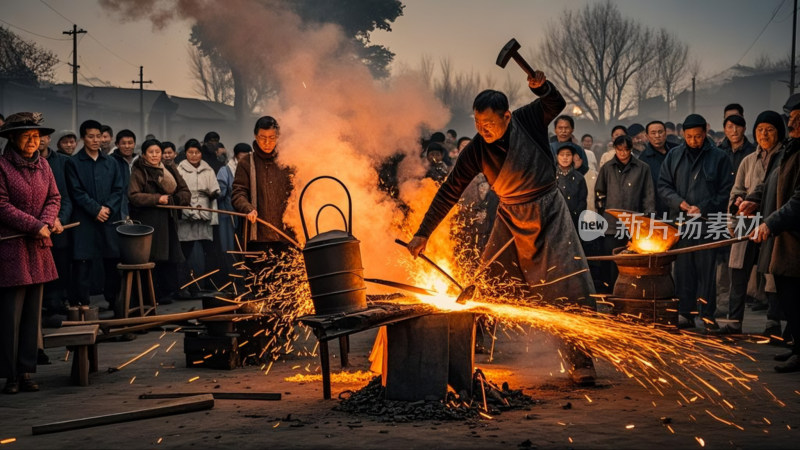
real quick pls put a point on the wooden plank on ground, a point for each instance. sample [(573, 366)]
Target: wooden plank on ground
[(184, 405), (217, 395)]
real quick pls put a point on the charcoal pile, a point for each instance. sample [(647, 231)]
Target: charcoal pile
[(489, 400)]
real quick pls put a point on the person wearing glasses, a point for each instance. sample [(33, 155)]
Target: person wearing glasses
[(261, 189)]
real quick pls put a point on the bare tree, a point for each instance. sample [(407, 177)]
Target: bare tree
[(23, 61), (443, 87), (512, 88), (426, 69), (212, 81), (672, 56), (605, 62)]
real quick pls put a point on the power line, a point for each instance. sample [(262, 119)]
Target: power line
[(31, 32), (774, 13), (54, 10), (110, 51)]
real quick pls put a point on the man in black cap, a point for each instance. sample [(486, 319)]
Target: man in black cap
[(769, 133), (695, 180), (780, 251), (639, 136)]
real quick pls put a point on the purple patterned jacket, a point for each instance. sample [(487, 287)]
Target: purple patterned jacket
[(29, 200)]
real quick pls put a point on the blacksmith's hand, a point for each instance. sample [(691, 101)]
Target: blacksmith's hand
[(252, 216), (417, 245), (104, 214), (163, 200), (537, 80), (761, 234), (747, 208), (57, 228), (44, 232), (693, 211)]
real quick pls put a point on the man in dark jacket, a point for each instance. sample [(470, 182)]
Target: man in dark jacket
[(570, 182), (95, 185), (511, 150), (622, 183), (653, 155), (261, 189), (124, 156), (695, 181), (736, 145)]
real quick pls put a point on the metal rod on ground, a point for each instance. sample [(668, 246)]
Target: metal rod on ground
[(134, 359), (184, 405), (14, 236), (111, 323), (234, 213), (217, 395)]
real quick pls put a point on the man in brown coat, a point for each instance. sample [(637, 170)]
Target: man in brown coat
[(261, 189)]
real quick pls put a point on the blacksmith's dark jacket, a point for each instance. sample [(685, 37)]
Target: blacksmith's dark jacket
[(93, 184), (479, 156), (573, 187), (625, 186), (58, 164), (702, 178), (273, 185), (737, 156)]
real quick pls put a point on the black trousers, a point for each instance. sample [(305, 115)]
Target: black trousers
[(87, 270), (787, 288), (188, 270), (165, 279), (739, 280), (696, 282), (57, 292), (20, 312)]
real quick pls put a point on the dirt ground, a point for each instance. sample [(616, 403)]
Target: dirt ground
[(618, 413)]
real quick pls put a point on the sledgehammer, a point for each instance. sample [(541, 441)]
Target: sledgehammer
[(511, 51)]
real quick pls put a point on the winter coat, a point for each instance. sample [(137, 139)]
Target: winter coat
[(93, 184), (704, 182), (654, 159), (125, 172), (783, 218), (227, 224), (58, 162), (629, 187), (195, 225), (738, 156), (29, 200), (144, 191), (274, 185), (573, 187)]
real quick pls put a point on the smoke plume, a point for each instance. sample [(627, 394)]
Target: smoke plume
[(335, 118)]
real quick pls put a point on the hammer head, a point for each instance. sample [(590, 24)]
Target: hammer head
[(507, 52)]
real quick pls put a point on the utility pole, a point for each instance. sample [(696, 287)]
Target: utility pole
[(74, 33), (141, 84), (794, 39)]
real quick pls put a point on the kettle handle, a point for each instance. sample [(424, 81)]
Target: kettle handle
[(348, 222), (328, 205)]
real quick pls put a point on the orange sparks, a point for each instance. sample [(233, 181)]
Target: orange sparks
[(132, 379), (8, 441), (589, 399), (160, 440), (193, 379), (276, 425), (630, 427), (700, 441), (485, 416)]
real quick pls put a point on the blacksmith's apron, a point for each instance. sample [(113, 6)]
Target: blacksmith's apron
[(548, 253)]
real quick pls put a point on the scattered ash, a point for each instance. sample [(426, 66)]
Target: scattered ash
[(370, 400)]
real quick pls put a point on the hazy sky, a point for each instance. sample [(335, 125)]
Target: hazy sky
[(469, 32)]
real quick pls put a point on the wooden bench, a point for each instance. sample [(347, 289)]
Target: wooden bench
[(81, 341)]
